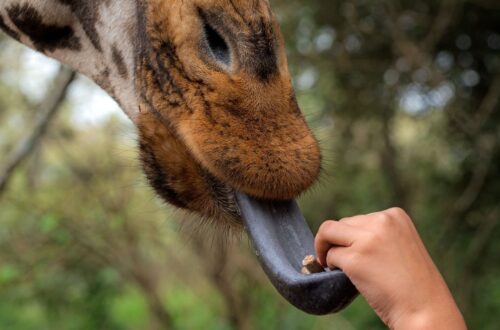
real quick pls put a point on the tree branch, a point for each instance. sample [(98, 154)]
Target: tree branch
[(46, 110), (214, 259), (473, 263), (388, 157), (488, 105), (487, 4), (448, 12), (487, 147)]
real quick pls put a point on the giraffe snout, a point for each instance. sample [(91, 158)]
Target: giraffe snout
[(259, 145), (268, 171)]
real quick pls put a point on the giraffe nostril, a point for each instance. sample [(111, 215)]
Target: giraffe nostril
[(217, 45)]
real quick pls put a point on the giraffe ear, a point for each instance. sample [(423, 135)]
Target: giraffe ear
[(282, 238)]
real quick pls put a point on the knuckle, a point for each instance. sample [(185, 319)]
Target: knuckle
[(325, 226), (385, 220), (345, 219), (401, 219), (397, 212)]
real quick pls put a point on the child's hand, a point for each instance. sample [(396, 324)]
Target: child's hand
[(386, 260)]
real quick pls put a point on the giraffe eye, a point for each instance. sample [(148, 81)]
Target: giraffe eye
[(217, 45)]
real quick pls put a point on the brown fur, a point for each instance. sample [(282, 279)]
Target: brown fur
[(176, 175), (242, 127), (218, 110), (238, 125)]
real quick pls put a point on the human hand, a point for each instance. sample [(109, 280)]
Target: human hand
[(388, 263)]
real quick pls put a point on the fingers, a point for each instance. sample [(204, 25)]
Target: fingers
[(338, 257), (333, 233), (345, 232)]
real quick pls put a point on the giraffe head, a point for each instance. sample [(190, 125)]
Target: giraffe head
[(218, 110)]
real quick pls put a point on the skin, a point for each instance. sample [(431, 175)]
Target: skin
[(388, 263)]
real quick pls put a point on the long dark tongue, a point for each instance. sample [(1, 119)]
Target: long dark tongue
[(281, 239)]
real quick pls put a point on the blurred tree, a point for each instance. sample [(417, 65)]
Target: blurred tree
[(404, 97), (45, 114)]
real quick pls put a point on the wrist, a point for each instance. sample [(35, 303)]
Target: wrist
[(443, 316)]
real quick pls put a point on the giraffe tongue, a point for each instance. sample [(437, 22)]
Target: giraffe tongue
[(281, 239)]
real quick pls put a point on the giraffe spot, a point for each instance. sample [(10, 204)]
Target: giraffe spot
[(8, 30), (103, 80), (119, 62), (45, 37), (87, 12)]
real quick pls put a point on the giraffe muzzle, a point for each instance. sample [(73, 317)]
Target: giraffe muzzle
[(281, 239)]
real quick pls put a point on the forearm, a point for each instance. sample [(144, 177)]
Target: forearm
[(444, 317), (439, 311)]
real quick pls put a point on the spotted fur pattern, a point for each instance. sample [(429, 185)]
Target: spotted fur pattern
[(205, 81), (95, 37)]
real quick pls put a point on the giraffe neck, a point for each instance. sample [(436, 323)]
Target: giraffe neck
[(94, 37)]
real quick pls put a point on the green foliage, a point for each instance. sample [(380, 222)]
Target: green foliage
[(404, 98)]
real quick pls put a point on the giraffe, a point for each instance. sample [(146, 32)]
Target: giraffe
[(205, 82)]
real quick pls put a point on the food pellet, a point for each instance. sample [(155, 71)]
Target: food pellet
[(311, 266)]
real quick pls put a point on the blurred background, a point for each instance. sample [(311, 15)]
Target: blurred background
[(404, 96)]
